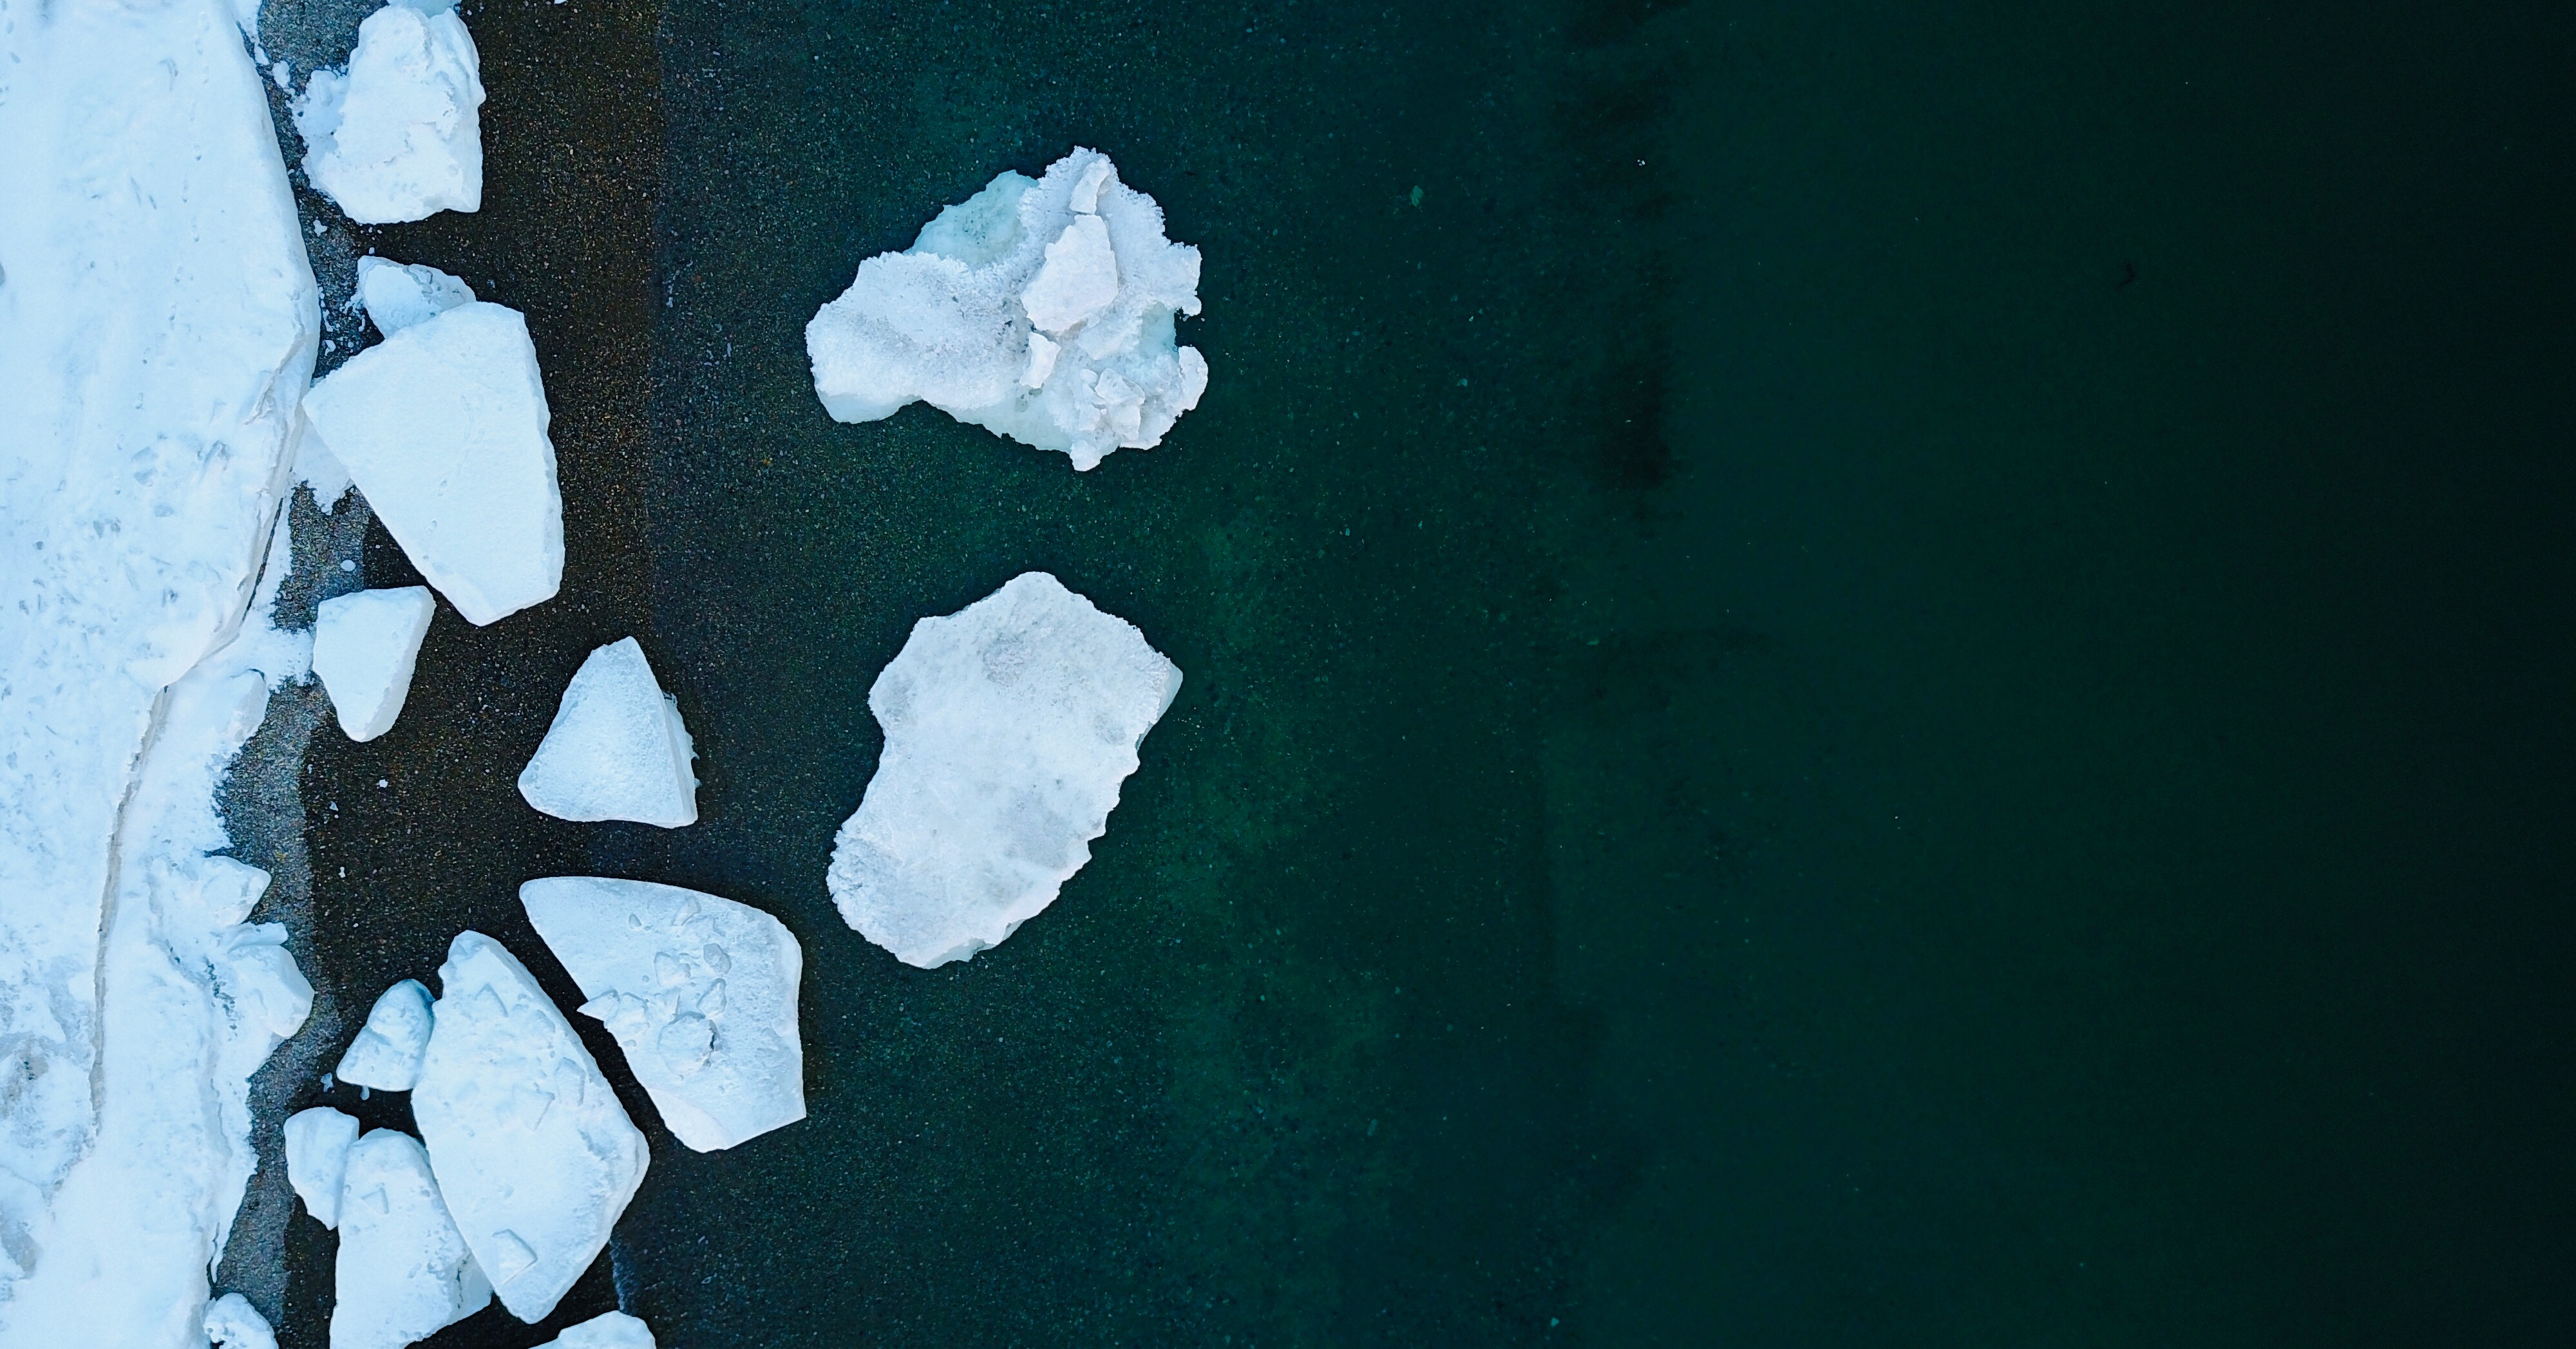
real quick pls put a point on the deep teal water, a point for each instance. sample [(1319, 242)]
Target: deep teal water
[(1889, 676)]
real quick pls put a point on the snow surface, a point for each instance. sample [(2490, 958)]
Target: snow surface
[(404, 1269), (389, 1048), (317, 1159), (393, 137), (1038, 310), (157, 328), (443, 425), (232, 1323), (700, 992), (533, 1152), (363, 648), (617, 749), (1008, 727), (608, 1330), (398, 295)]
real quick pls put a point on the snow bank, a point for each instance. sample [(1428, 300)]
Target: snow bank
[(157, 327), (387, 1053), (398, 295), (393, 137), (1038, 310), (443, 425), (317, 1159), (363, 649), (533, 1152), (609, 1330), (699, 991), (617, 749), (232, 1323), (404, 1269), (1008, 727)]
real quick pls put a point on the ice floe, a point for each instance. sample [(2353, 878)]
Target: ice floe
[(364, 646), (608, 1330), (404, 1268), (700, 992), (398, 295), (1008, 727), (317, 1159), (394, 136), (232, 1323), (534, 1155), (617, 749), (1040, 310), (389, 1048), (443, 425)]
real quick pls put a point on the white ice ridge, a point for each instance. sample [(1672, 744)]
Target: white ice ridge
[(398, 295), (317, 1159), (608, 1330), (157, 327), (393, 137), (1038, 310), (617, 749), (443, 425), (232, 1323), (699, 991), (533, 1152), (1008, 727), (363, 648), (404, 1269), (387, 1053)]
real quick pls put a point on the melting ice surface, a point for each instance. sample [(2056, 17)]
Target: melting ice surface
[(617, 749), (397, 295), (395, 137), (1040, 310), (1008, 727)]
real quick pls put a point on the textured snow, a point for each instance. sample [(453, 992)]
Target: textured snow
[(317, 1159), (1040, 310), (609, 1330), (393, 137), (404, 1269), (700, 992), (363, 649), (388, 1051), (443, 425), (232, 1323), (398, 295), (1008, 727), (617, 749), (533, 1152), (157, 327)]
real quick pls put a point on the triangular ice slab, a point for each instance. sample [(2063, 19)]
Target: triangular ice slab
[(404, 1270), (608, 1330), (617, 749), (317, 1159), (387, 1053), (364, 647)]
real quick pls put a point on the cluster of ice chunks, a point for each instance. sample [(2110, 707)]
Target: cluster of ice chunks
[(395, 136)]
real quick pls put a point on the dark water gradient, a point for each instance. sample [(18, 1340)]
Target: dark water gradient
[(1889, 676)]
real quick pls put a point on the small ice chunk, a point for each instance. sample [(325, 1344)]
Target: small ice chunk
[(317, 1159), (443, 425), (395, 136), (608, 1330), (232, 1323), (1008, 727), (398, 295), (405, 1270), (321, 470), (364, 646), (617, 749), (387, 1053), (534, 1154), (1040, 310), (699, 991)]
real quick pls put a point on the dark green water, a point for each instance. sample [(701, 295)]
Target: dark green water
[(1889, 676)]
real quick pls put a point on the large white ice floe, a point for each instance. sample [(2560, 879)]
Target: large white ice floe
[(700, 992), (394, 136), (157, 327), (617, 749), (232, 1323), (364, 646), (389, 1048), (1008, 727), (1040, 310), (397, 295), (533, 1152), (608, 1330), (405, 1269), (443, 426), (317, 1159)]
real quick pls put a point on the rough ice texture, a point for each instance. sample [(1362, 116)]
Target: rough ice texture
[(387, 1053), (1008, 727), (443, 425), (608, 1330), (533, 1152), (317, 1159), (617, 749), (157, 327), (1038, 310), (394, 136), (232, 1323), (404, 1268), (363, 649), (699, 991), (398, 295)]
